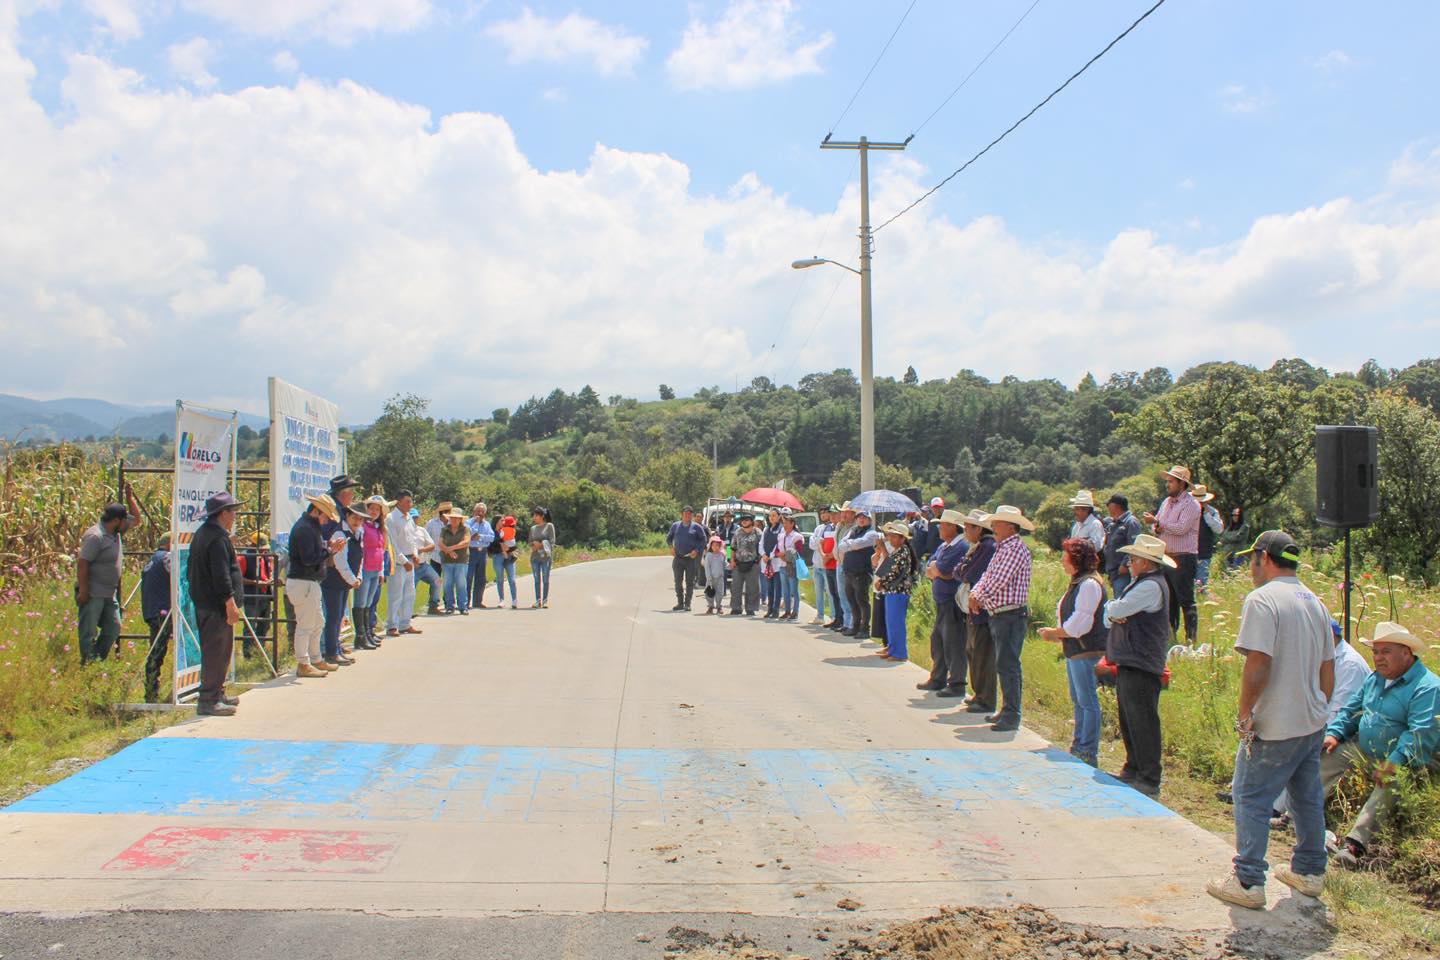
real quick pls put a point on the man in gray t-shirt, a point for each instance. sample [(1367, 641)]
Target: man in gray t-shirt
[(1289, 676), (97, 578)]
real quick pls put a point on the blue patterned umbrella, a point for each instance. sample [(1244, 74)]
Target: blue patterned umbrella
[(884, 501)]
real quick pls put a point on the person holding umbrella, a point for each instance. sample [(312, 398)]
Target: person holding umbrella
[(896, 570)]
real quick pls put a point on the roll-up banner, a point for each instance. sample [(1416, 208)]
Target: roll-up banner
[(204, 466)]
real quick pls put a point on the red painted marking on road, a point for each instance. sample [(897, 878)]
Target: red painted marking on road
[(222, 849), (851, 852)]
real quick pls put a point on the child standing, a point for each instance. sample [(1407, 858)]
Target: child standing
[(714, 564)]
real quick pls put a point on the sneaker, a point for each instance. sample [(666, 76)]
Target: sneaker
[(1279, 821), (1229, 889), (214, 710), (310, 670), (514, 606), (1309, 884), (680, 606), (1349, 856)]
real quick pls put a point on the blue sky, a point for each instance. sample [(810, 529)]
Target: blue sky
[(1282, 152)]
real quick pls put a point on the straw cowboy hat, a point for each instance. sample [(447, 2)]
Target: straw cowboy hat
[(953, 517), (1149, 548), (977, 518), (325, 505), (385, 505), (453, 514), (1083, 499), (1011, 515), (1179, 473), (1199, 492), (1387, 632), (897, 528), (444, 507)]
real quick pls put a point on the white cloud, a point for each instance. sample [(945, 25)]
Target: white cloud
[(753, 43), (338, 21), (554, 95), (285, 63), (1236, 98), (190, 62), (1335, 61), (121, 18), (535, 39), (202, 241)]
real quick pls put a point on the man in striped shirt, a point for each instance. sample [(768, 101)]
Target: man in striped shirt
[(1003, 593), (1178, 524)]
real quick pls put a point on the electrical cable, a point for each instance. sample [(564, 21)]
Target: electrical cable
[(976, 69), (883, 49), (813, 327), (1033, 110)]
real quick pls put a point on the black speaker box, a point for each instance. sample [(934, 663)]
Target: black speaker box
[(914, 494), (1347, 476)]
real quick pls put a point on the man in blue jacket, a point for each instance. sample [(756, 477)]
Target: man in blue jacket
[(155, 608), (1389, 723), (687, 540)]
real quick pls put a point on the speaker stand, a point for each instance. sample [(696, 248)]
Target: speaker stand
[(1347, 585)]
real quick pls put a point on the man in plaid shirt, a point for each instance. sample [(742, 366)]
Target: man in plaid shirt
[(1003, 593), (1178, 524)]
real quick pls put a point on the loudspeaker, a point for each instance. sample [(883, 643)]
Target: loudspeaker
[(1347, 475), (914, 494)]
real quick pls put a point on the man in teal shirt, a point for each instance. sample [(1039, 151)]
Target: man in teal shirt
[(1389, 723)]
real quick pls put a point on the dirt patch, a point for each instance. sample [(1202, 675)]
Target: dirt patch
[(971, 933)]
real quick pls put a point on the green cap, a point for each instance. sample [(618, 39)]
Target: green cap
[(1277, 543)]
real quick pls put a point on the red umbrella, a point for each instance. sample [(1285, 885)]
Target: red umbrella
[(773, 498)]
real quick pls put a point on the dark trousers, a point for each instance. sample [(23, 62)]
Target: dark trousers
[(1008, 632), (1137, 694), (333, 599), (771, 595), (217, 647), (686, 570), (1182, 593), (980, 651), (745, 580), (438, 569), (833, 582), (159, 647), (947, 646), (477, 577), (857, 592), (878, 622)]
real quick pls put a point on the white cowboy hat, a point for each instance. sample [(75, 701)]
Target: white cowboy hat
[(1387, 632), (897, 528), (1011, 515), (953, 516), (1149, 548), (1083, 499), (977, 518), (1179, 473), (1201, 493)]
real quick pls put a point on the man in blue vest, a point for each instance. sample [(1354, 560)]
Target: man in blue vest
[(947, 637), (854, 552)]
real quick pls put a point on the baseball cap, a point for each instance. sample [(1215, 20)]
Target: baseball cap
[(414, 512), (1277, 543), (937, 502)]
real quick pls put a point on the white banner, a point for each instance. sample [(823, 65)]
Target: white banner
[(204, 462), (305, 452)]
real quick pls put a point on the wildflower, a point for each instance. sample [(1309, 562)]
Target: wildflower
[(67, 648)]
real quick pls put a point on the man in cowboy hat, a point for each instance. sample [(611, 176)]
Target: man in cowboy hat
[(1087, 525), (1123, 530), (1211, 526), (854, 553), (1287, 682), (824, 599), (1390, 723), (1139, 624), (844, 524), (979, 645), (400, 601), (947, 637), (1004, 594), (926, 547), (216, 589), (1178, 524), (309, 558)]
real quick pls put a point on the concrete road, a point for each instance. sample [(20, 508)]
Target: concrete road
[(607, 755)]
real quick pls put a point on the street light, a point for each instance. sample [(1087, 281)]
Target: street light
[(816, 261)]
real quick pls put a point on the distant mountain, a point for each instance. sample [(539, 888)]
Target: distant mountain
[(74, 418)]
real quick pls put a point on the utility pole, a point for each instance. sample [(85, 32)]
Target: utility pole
[(867, 363)]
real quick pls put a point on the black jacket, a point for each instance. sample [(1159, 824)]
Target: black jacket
[(214, 572), (308, 554)]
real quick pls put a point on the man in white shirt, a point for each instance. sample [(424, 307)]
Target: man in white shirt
[(401, 598), (823, 600), (1087, 526), (425, 551)]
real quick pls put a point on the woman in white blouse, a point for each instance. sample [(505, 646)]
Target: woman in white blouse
[(1082, 634)]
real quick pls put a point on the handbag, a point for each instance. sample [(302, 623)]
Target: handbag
[(802, 571)]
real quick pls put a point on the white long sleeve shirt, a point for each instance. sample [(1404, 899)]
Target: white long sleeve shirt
[(402, 539), (1142, 597), (342, 560), (1091, 529), (1086, 602)]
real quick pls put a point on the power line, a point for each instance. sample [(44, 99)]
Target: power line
[(1033, 110), (872, 69), (976, 69), (813, 327)]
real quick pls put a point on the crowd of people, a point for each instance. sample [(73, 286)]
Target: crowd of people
[(342, 554), (1310, 709)]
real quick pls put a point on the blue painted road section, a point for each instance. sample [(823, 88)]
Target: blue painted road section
[(175, 776)]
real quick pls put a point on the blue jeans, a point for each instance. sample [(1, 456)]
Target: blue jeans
[(369, 593), (789, 591), (333, 600), (1272, 766), (456, 596), (847, 616), (1008, 632), (1084, 694), (540, 573), (896, 629), (1202, 571), (425, 573), (504, 569), (822, 590)]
